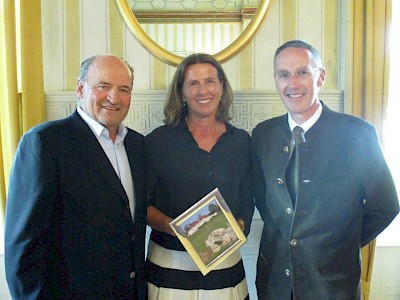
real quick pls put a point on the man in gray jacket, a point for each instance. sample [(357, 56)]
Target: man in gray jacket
[(315, 226)]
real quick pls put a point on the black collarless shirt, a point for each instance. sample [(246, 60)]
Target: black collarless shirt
[(180, 173)]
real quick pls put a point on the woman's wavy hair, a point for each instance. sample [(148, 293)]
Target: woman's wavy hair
[(173, 107)]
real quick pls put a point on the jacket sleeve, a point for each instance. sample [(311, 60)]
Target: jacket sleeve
[(381, 203), (245, 208), (259, 185), (247, 203), (31, 198)]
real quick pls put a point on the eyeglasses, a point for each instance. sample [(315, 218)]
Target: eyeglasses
[(284, 76)]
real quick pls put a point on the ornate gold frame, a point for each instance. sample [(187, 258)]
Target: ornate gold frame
[(175, 60)]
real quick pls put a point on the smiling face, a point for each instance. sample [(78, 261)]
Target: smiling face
[(202, 90), (105, 93), (299, 95)]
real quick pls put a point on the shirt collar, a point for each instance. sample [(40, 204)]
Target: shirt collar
[(98, 129), (309, 123)]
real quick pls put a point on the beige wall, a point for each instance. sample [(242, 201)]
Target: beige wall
[(74, 30)]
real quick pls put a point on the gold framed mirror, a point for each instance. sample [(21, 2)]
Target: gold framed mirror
[(173, 58)]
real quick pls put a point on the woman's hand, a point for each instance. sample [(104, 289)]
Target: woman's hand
[(241, 224), (159, 221)]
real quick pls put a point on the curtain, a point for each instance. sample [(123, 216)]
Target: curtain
[(21, 79), (367, 86)]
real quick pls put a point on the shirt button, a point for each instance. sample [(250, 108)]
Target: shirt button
[(287, 273), (279, 181), (289, 211), (132, 275), (294, 243)]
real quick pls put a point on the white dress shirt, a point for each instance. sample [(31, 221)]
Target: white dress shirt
[(309, 123), (115, 152)]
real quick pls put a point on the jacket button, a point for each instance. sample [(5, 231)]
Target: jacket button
[(287, 273), (286, 149), (289, 211), (294, 243), (279, 181), (132, 275)]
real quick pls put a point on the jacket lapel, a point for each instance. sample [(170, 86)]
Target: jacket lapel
[(134, 150), (87, 146)]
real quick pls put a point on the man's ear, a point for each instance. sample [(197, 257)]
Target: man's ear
[(79, 88), (321, 78)]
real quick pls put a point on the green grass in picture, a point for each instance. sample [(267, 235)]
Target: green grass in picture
[(200, 236)]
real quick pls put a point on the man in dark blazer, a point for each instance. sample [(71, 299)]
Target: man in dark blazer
[(76, 207), (311, 240)]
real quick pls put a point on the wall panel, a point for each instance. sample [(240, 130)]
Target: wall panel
[(94, 22), (331, 42), (289, 15), (159, 81), (116, 30), (72, 42), (140, 59), (246, 68), (267, 39), (53, 45), (311, 30), (233, 72)]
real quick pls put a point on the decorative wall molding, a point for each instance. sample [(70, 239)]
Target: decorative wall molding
[(146, 111)]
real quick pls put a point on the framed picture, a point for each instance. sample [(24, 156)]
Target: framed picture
[(209, 231)]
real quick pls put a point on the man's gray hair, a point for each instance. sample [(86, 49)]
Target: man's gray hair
[(87, 62), (303, 45)]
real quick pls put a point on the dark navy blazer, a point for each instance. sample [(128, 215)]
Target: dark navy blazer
[(69, 232)]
